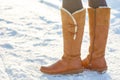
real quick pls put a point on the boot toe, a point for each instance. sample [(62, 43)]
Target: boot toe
[(48, 70), (44, 69)]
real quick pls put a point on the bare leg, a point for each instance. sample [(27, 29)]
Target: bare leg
[(97, 3), (72, 5)]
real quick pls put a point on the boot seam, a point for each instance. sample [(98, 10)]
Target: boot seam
[(91, 54)]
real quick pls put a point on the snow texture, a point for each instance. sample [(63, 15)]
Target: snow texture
[(31, 36)]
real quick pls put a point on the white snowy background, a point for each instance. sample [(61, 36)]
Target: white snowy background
[(31, 36)]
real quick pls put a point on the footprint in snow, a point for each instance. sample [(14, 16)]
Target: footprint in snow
[(7, 46), (46, 20), (11, 32)]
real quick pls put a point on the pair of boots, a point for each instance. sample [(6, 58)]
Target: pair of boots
[(73, 28)]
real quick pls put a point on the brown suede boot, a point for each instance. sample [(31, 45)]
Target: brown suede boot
[(99, 24), (73, 28)]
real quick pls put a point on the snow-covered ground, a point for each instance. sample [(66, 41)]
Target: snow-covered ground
[(31, 36)]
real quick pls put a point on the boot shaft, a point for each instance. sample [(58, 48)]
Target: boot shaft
[(99, 19), (73, 28)]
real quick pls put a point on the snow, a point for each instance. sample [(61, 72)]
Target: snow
[(31, 36)]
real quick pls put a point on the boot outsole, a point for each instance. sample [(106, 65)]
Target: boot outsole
[(63, 73)]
